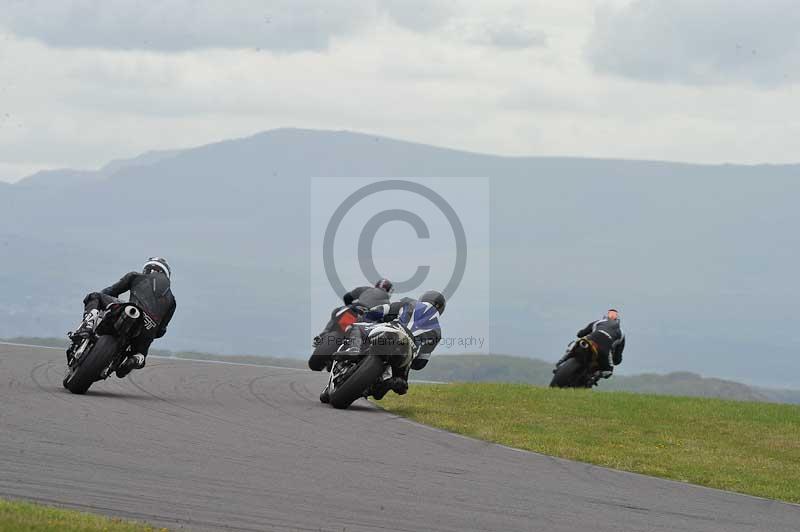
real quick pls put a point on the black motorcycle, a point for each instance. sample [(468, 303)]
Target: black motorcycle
[(99, 355), (332, 336), (579, 366), (356, 375)]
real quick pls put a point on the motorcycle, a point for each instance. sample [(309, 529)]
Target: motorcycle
[(97, 356), (579, 366), (355, 375), (331, 338)]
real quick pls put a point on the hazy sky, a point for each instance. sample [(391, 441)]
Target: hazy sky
[(86, 81)]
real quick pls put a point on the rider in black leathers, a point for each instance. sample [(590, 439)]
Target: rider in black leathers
[(370, 296), (151, 292), (609, 338)]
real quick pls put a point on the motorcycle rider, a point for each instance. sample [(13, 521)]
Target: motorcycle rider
[(607, 335), (151, 292), (420, 318), (370, 296), (358, 299)]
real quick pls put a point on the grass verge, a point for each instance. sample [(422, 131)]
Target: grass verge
[(738, 446), (27, 517)]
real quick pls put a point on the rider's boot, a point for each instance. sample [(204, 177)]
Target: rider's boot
[(84, 331), (87, 326), (399, 385), (399, 380), (129, 364), (380, 390)]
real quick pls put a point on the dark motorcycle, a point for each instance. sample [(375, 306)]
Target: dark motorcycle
[(578, 368), (357, 375), (96, 357), (331, 338)]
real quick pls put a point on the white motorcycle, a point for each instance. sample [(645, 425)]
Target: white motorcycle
[(357, 371)]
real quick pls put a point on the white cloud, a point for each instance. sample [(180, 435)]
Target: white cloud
[(699, 42), (421, 15), (81, 107), (509, 34), (180, 25)]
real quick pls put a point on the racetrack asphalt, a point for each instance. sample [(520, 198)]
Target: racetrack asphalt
[(192, 445)]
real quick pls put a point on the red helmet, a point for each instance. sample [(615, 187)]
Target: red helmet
[(385, 285)]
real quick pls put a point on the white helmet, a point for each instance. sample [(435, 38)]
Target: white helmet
[(157, 264)]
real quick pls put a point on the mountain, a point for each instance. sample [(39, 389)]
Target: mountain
[(147, 158), (61, 178), (65, 177), (700, 259)]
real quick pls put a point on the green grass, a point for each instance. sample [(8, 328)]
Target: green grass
[(26, 517), (739, 446)]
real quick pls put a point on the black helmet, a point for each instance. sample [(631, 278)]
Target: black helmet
[(385, 285), (157, 264), (435, 298)]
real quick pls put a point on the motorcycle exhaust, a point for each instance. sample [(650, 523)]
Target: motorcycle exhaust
[(125, 322)]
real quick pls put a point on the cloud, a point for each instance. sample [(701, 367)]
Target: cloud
[(691, 42), (510, 35), (420, 15), (430, 79), (181, 25)]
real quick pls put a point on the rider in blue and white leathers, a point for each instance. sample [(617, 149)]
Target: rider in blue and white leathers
[(420, 319)]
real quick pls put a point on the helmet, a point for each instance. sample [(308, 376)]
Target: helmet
[(157, 264), (385, 285), (612, 314), (435, 298)]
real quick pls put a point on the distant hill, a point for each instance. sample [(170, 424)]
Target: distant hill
[(701, 259), (504, 368), (66, 178)]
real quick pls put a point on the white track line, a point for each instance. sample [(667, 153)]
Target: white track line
[(223, 362)]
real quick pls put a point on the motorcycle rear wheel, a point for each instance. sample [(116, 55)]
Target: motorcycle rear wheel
[(369, 370), (92, 364), (568, 375)]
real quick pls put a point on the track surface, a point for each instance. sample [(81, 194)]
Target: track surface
[(203, 446)]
